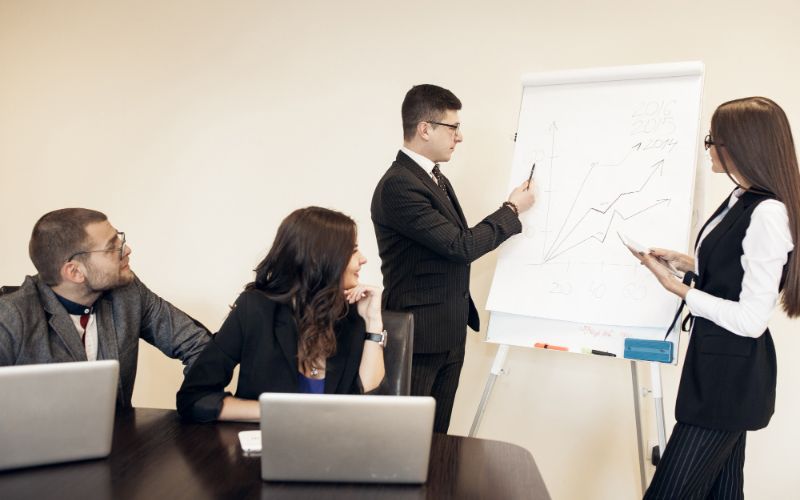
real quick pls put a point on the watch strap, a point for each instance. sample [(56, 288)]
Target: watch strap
[(377, 337)]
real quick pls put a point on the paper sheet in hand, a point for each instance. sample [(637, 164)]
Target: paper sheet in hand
[(633, 245)]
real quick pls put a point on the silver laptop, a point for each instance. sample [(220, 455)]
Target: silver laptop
[(345, 438), (56, 412)]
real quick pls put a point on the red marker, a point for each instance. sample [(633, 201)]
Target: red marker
[(541, 345)]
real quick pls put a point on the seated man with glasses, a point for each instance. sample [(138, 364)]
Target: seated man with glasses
[(86, 304)]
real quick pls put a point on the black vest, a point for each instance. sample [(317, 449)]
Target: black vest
[(728, 381)]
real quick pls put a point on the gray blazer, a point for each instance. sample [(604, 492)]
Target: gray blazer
[(35, 328)]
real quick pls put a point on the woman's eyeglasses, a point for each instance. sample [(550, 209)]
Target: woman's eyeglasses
[(710, 142)]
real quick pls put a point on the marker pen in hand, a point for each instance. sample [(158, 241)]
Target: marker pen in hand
[(530, 176)]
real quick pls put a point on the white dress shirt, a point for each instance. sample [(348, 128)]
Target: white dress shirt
[(89, 335), (766, 246), (422, 161)]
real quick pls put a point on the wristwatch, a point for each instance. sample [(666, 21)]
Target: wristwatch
[(380, 338)]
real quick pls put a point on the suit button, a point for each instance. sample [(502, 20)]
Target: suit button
[(466, 295)]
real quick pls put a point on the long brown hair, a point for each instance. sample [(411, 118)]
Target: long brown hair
[(755, 134), (304, 269)]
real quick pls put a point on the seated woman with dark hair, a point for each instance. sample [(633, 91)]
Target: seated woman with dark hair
[(293, 329)]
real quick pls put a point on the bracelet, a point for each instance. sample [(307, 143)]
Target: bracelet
[(512, 206)]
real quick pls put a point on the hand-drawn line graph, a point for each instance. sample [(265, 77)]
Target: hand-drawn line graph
[(557, 248), (588, 227), (610, 156)]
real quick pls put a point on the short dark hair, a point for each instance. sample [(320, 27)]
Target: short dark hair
[(304, 268), (56, 236), (426, 102)]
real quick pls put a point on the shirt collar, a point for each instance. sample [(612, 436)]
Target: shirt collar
[(420, 160), (73, 307)]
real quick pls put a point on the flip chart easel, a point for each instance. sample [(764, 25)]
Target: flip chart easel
[(615, 152)]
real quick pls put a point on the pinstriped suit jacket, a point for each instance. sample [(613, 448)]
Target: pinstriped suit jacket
[(426, 249)]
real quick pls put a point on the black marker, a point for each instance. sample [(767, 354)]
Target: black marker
[(603, 353), (530, 176)]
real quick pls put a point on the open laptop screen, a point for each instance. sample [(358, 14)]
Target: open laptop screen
[(345, 438), (56, 412)]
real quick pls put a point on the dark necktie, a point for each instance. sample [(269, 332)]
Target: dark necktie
[(440, 180), (84, 322)]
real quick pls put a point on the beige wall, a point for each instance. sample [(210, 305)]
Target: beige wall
[(198, 125)]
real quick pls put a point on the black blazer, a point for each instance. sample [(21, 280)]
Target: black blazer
[(728, 381), (260, 335), (426, 249)]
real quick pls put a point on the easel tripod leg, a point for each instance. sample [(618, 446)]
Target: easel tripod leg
[(637, 410), (497, 369), (658, 402)]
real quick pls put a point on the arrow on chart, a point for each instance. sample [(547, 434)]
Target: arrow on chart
[(558, 248)]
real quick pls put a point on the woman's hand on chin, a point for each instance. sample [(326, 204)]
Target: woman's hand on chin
[(368, 302)]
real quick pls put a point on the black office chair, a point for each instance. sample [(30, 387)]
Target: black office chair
[(8, 289), (399, 349)]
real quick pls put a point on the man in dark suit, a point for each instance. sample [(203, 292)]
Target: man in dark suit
[(426, 246)]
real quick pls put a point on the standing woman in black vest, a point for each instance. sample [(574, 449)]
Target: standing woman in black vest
[(743, 260)]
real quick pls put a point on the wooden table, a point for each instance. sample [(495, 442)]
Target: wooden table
[(157, 456)]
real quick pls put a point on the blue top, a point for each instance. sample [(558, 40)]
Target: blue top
[(310, 385)]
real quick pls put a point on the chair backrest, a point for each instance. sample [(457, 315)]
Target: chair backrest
[(399, 350), (8, 289)]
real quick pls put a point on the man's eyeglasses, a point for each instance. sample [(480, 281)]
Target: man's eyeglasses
[(710, 142), (120, 249), (454, 127)]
